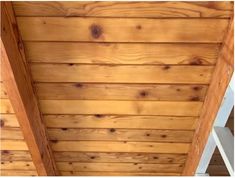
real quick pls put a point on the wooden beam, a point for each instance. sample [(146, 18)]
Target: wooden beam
[(17, 81), (220, 80)]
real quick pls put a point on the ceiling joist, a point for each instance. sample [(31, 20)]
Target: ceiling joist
[(16, 79)]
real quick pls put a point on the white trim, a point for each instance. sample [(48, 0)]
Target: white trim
[(225, 143), (220, 121)]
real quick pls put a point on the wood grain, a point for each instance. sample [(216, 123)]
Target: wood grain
[(12, 155), (121, 74), (77, 173), (3, 92), (109, 146), (20, 165), (119, 157), (115, 135), (18, 172), (11, 133), (119, 121), (121, 53), (124, 167), (120, 107), (14, 145), (8, 120), (6, 107), (125, 9), (86, 91), (17, 80), (122, 29)]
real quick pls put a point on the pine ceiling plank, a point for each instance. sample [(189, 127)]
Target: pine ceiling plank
[(13, 155), (120, 121), (220, 80), (125, 9), (117, 135), (119, 157), (6, 107), (3, 92), (86, 91), (14, 145), (14, 172), (118, 167), (121, 53), (20, 165), (8, 120), (19, 88), (120, 107), (121, 74), (122, 29), (77, 173), (110, 146), (11, 133)]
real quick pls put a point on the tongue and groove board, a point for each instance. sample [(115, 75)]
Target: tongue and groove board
[(14, 161), (120, 84)]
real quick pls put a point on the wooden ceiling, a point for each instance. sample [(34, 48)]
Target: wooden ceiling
[(111, 88)]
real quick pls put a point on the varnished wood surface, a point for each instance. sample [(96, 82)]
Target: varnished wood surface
[(121, 74), (86, 91), (125, 9), (119, 167), (122, 30), (120, 121), (121, 53), (119, 157), (192, 108), (111, 146)]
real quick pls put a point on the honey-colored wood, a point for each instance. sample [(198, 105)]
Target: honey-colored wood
[(3, 92), (6, 107), (11, 133), (84, 91), (220, 80), (12, 155), (110, 146), (221, 9), (119, 157), (77, 173), (120, 121), (13, 145), (120, 107), (17, 82), (119, 167), (121, 53), (117, 135), (18, 172), (121, 74), (20, 165), (122, 29), (8, 120)]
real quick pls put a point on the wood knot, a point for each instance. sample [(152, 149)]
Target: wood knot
[(96, 31), (196, 88), (143, 93), (194, 98), (71, 64), (163, 136), (78, 85), (2, 123), (166, 67), (54, 141), (139, 27), (155, 157), (64, 129), (147, 134), (196, 61), (92, 157), (5, 152), (112, 130), (99, 115)]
